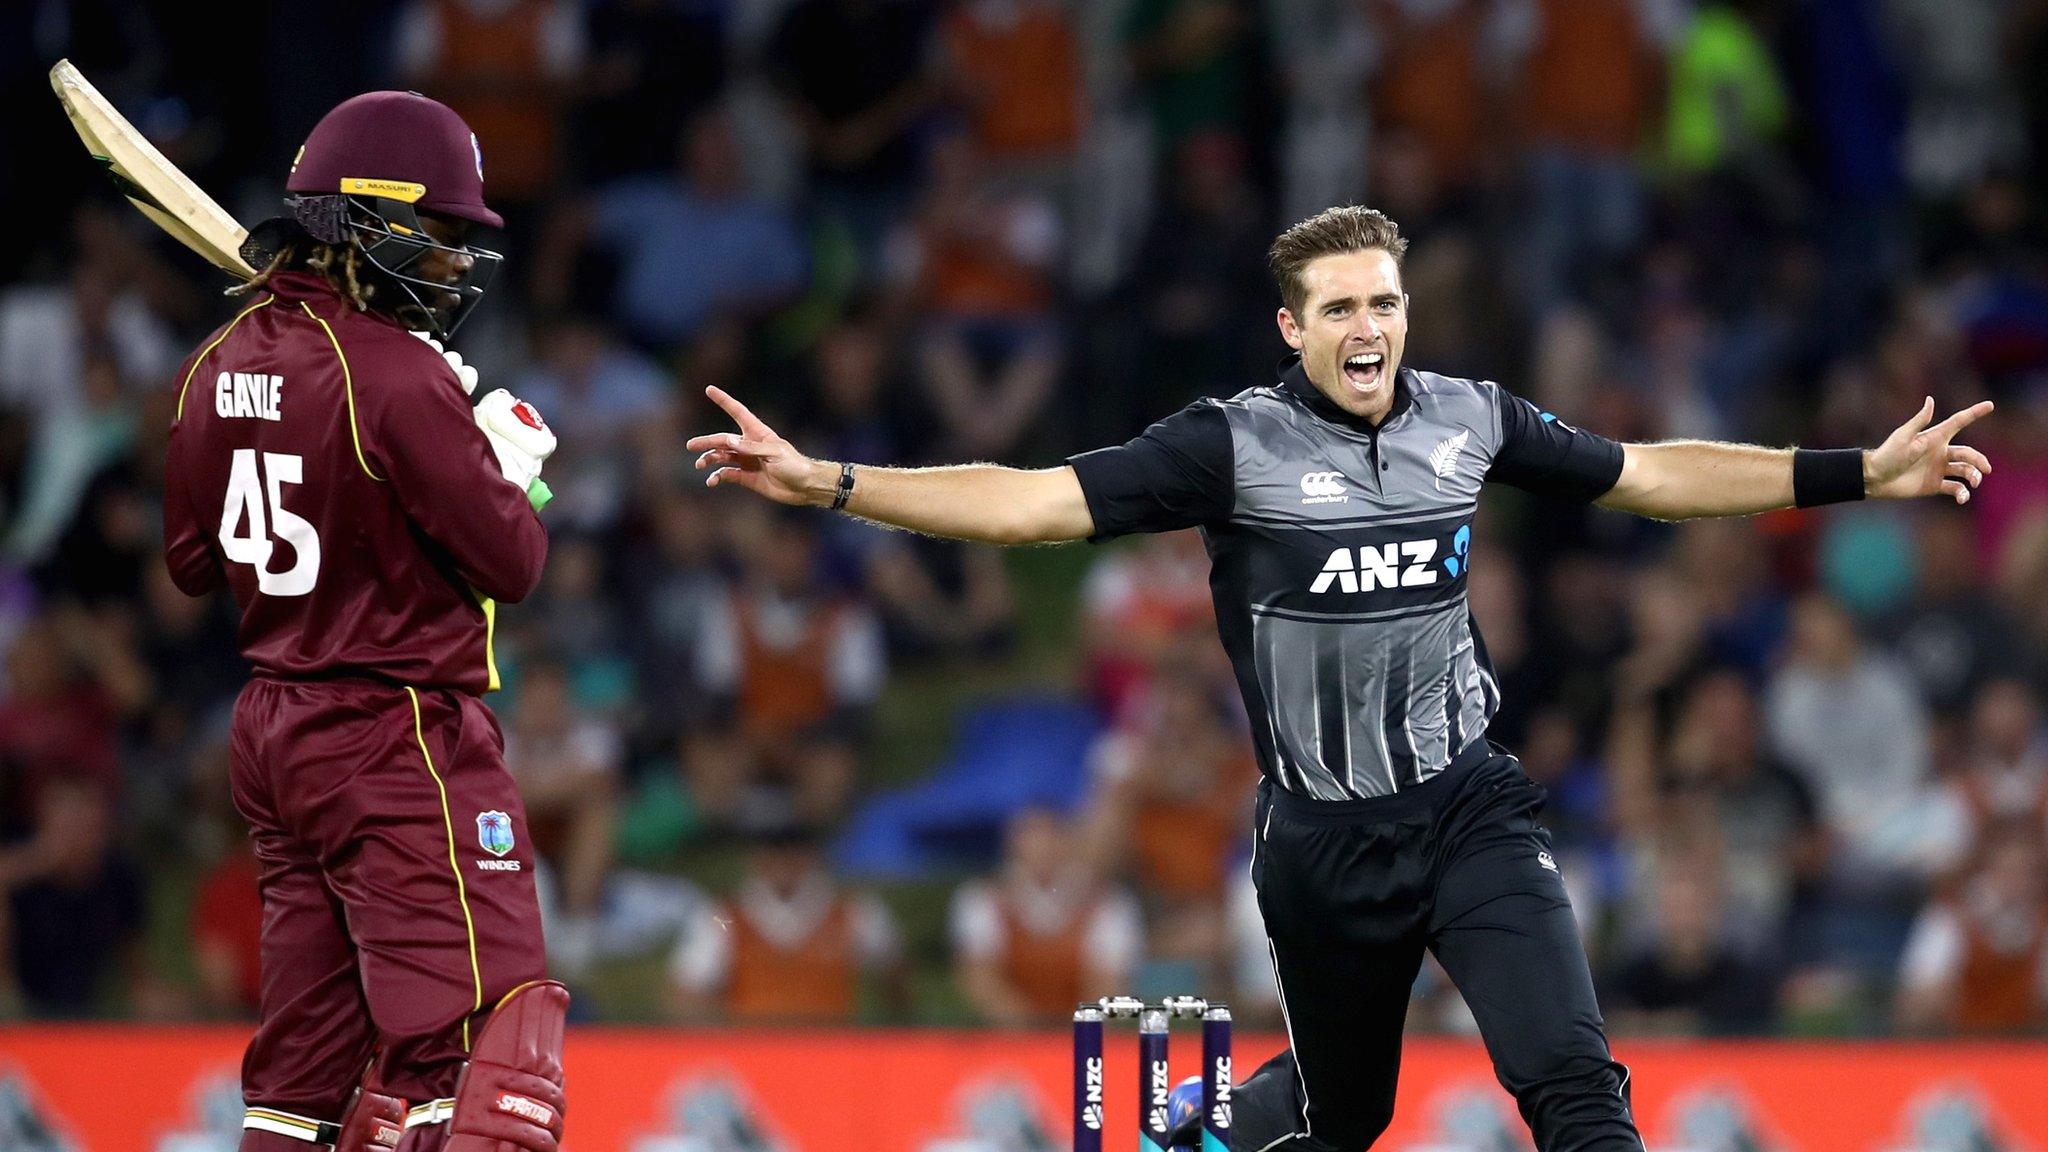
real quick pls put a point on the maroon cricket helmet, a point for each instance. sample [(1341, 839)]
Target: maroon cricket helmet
[(398, 146)]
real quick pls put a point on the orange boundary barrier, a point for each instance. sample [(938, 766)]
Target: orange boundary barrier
[(132, 1089)]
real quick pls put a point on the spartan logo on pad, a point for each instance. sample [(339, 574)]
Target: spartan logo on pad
[(525, 1109)]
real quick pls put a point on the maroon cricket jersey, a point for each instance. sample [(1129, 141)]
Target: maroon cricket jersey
[(323, 463)]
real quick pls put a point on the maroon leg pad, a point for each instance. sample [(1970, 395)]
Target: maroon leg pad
[(373, 1123), (510, 1097)]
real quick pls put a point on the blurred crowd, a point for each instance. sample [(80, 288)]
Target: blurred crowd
[(1797, 771)]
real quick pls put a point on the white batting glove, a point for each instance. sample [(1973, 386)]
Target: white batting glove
[(466, 373), (520, 439)]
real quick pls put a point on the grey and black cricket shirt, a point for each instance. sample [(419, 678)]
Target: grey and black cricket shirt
[(1339, 553)]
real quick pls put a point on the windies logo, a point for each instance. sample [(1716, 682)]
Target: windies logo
[(494, 832)]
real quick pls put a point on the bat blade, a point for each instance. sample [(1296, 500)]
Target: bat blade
[(149, 181)]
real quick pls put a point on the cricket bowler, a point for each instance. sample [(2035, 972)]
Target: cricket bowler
[(326, 465), (1337, 506)]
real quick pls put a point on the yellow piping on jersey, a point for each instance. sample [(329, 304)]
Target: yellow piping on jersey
[(490, 607), (208, 350), (461, 891), (348, 389)]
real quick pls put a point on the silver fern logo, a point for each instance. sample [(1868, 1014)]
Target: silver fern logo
[(1443, 459)]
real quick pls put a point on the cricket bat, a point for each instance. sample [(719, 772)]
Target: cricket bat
[(150, 182)]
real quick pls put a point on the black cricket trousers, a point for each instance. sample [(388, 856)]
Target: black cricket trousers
[(1353, 891)]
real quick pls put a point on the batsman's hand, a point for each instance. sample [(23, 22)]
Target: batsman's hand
[(755, 458), (1918, 460), (465, 374), (520, 439)]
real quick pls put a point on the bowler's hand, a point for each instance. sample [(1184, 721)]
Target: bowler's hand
[(756, 458), (1916, 460)]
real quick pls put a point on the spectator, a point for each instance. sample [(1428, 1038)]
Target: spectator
[(1434, 81), (1015, 69), (1196, 63), (75, 903), (693, 247), (794, 667), (860, 79), (654, 64), (1590, 73), (1032, 941), (1168, 811), (1713, 767), (674, 589), (72, 360), (790, 945), (507, 67), (574, 616), (1690, 979), (1953, 635), (566, 761), (1201, 325), (991, 352), (1848, 721), (2004, 776), (58, 721), (610, 404), (1139, 602), (1978, 958)]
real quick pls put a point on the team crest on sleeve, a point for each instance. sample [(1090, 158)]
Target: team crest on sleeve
[(494, 832)]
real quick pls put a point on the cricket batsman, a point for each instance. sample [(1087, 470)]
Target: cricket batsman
[(326, 464)]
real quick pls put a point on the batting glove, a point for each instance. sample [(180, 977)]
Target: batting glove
[(521, 440), (466, 373)]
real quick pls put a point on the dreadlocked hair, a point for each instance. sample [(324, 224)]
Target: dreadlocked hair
[(336, 263)]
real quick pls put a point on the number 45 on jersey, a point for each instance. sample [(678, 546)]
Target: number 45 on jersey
[(259, 499)]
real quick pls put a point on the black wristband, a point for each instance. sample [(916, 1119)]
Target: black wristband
[(1826, 476), (845, 492)]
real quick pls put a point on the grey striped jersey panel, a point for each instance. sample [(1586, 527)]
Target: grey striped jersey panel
[(1362, 653)]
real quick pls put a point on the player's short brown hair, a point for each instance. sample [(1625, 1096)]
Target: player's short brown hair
[(1348, 228)]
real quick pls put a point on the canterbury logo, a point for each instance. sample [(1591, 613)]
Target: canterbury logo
[(526, 1109), (1443, 459), (1323, 488)]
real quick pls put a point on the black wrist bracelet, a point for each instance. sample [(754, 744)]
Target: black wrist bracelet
[(1826, 476), (840, 497)]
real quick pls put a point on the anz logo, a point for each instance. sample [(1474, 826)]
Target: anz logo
[(1399, 564)]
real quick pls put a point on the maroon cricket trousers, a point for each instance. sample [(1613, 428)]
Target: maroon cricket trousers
[(398, 895)]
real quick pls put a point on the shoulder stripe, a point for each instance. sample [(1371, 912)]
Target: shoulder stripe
[(348, 389), (208, 350), (461, 890)]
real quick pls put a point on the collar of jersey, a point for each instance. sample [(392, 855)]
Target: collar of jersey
[(314, 288), (1294, 379)]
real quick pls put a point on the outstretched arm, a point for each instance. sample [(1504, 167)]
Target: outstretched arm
[(1684, 479), (981, 502)]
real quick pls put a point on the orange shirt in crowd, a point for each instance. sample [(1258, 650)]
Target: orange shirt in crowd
[(1025, 80)]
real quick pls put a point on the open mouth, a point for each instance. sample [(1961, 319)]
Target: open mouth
[(1363, 370)]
